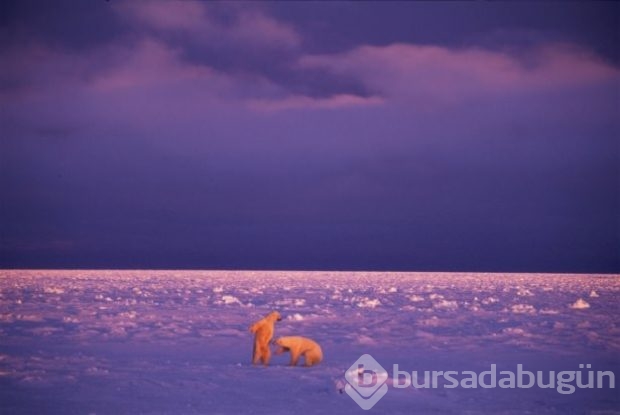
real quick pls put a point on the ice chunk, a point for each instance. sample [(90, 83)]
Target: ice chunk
[(549, 311), (363, 339), (295, 317), (229, 299), (490, 300), (523, 309), (448, 304), (580, 304), (430, 322), (367, 303), (524, 292), (515, 331)]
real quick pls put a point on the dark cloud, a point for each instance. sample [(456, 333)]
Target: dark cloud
[(64, 24), (75, 27), (337, 26)]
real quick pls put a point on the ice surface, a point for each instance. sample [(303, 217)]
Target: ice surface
[(177, 342)]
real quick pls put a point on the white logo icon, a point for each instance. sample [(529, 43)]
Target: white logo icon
[(366, 381)]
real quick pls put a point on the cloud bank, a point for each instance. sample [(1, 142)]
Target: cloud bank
[(227, 130)]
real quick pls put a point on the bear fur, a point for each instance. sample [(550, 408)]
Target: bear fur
[(263, 333), (300, 346)]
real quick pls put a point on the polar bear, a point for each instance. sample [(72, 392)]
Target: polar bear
[(263, 333), (300, 346)]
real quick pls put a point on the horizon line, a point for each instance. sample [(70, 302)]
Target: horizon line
[(316, 270)]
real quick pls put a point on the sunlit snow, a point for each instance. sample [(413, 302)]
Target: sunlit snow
[(159, 342)]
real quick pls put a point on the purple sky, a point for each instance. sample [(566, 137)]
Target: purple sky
[(401, 136)]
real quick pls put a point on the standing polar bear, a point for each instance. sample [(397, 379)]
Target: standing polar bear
[(263, 333), (300, 346)]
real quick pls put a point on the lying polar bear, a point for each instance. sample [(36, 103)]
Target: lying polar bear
[(300, 346)]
